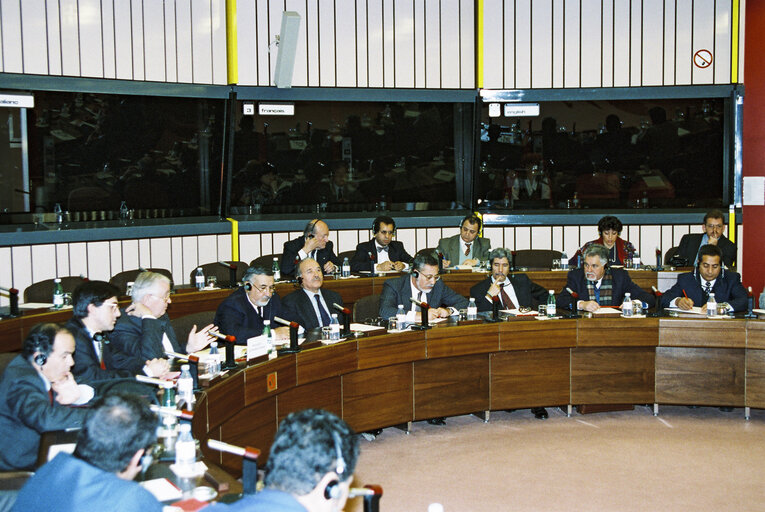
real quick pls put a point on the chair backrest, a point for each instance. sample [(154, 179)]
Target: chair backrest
[(183, 324), (266, 261), (42, 291), (121, 280), (346, 254), (90, 198), (221, 272), (536, 258), (667, 256), (366, 307)]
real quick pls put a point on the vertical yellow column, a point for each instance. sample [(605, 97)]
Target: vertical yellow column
[(734, 42), (232, 57), (732, 224), (479, 44), (234, 238)]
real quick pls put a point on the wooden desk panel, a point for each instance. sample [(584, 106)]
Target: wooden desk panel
[(391, 349), (700, 376), (451, 386), (462, 340), (755, 378), (755, 334), (323, 362), (225, 398), (530, 378), (686, 332), (618, 332), (609, 375), (324, 394), (379, 397), (252, 426), (282, 372), (524, 334)]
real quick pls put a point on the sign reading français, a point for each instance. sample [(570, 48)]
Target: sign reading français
[(276, 109), (17, 101)]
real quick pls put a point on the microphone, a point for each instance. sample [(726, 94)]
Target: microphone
[(169, 411), (346, 317), (248, 452), (572, 292), (9, 290), (151, 380), (294, 348), (418, 303), (572, 313), (659, 309), (749, 303), (185, 357), (13, 297), (249, 462), (658, 260), (227, 265), (224, 337), (424, 306), (340, 308), (282, 321), (371, 263)]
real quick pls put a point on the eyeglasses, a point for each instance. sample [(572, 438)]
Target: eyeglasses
[(164, 299), (264, 288), (433, 278)]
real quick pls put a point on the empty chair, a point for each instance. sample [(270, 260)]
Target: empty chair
[(182, 325), (535, 258), (266, 261), (42, 291), (346, 254), (121, 280), (221, 272), (91, 198), (667, 256), (366, 307)]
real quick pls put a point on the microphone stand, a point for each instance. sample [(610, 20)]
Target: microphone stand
[(13, 297), (750, 304), (294, 348), (193, 366), (249, 462), (659, 308), (372, 265)]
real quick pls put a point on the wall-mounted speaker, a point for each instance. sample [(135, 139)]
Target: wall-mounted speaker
[(285, 58)]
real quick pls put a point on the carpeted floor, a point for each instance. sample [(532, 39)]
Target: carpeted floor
[(685, 459)]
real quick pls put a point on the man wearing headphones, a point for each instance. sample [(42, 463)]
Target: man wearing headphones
[(36, 391), (310, 466), (241, 314), (467, 248), (423, 284), (311, 306), (98, 476), (709, 276), (314, 244), (597, 284), (388, 254)]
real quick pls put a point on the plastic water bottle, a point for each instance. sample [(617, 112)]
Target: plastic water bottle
[(185, 449), (268, 333), (58, 294), (761, 303), (563, 261), (168, 400), (472, 310), (59, 214), (627, 306), (346, 268), (276, 270), (213, 362), (401, 317), (334, 328), (199, 279), (636, 260), (711, 305), (551, 307), (186, 387), (124, 212)]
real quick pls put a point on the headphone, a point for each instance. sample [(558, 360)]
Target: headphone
[(41, 359), (332, 490), (416, 273), (248, 286), (308, 232)]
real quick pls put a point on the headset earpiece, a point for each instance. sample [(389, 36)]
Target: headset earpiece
[(332, 490), (374, 228), (248, 286), (416, 273), (41, 359)]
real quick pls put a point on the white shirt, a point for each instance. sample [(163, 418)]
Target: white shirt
[(509, 290), (167, 346), (86, 392), (382, 256), (463, 248), (673, 302), (315, 307)]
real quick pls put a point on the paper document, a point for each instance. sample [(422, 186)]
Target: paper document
[(518, 312), (695, 310), (365, 327), (607, 311), (162, 489)]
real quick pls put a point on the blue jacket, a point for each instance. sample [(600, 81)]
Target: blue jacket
[(727, 288), (621, 284), (236, 316), (267, 500), (398, 291)]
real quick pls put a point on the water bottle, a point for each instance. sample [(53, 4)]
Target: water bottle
[(627, 307), (58, 294), (551, 307), (269, 337), (185, 449), (761, 302), (124, 212), (563, 261), (59, 214), (276, 270), (213, 362), (346, 268), (186, 387), (168, 400), (711, 305), (472, 310), (199, 279), (636, 260), (334, 328), (401, 317)]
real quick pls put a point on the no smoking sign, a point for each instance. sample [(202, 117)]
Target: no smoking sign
[(702, 58)]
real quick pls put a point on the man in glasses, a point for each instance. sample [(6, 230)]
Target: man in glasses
[(714, 234), (242, 313), (423, 284), (388, 254), (144, 329)]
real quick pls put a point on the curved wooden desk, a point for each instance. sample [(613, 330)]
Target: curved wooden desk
[(394, 379)]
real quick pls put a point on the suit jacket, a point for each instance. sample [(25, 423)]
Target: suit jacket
[(621, 284), (360, 261), (298, 307), (527, 291), (290, 253), (727, 288), (399, 291), (691, 243), (87, 367), (451, 248), (68, 484), (271, 500), (236, 316), (25, 413), (142, 337)]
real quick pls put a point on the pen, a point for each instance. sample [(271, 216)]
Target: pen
[(685, 294)]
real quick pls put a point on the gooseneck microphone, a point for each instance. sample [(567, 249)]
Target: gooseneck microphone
[(224, 337), (346, 317), (13, 297), (230, 363), (249, 462), (294, 348), (572, 309), (424, 307)]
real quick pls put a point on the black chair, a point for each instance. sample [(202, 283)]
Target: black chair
[(183, 324), (121, 280), (42, 291), (346, 254), (221, 272), (669, 254), (266, 261), (366, 307), (535, 258)]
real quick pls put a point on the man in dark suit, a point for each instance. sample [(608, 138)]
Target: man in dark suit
[(36, 391), (145, 330), (598, 285), (513, 292), (338, 190), (467, 248), (311, 306), (242, 313), (94, 313), (388, 254), (693, 288), (714, 229), (423, 284), (314, 244), (98, 476)]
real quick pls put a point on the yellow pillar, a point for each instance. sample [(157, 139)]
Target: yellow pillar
[(232, 57)]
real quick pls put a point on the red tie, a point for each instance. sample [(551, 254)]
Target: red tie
[(505, 298), (50, 395), (467, 249)]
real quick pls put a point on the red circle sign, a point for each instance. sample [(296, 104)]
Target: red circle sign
[(702, 58)]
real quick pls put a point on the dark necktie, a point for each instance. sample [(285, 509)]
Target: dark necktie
[(707, 290), (99, 338), (506, 300), (260, 310), (322, 311), (467, 249), (597, 291), (419, 299), (50, 395)]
